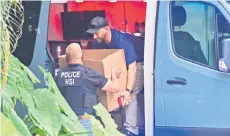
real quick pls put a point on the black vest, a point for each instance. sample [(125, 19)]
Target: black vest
[(77, 90)]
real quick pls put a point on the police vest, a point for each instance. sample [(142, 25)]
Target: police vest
[(77, 90)]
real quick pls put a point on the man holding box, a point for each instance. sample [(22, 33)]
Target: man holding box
[(108, 38), (78, 84)]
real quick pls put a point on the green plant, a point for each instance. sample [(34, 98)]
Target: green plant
[(48, 112), (8, 129)]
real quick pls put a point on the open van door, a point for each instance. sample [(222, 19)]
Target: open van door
[(41, 54), (32, 46)]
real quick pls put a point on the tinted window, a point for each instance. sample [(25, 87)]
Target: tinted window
[(193, 32)]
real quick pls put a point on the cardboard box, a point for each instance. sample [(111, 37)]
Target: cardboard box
[(102, 61)]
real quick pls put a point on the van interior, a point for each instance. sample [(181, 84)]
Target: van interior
[(69, 21)]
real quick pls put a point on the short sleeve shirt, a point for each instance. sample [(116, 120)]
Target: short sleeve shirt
[(124, 41), (96, 78)]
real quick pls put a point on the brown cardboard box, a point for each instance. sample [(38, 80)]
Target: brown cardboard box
[(102, 61)]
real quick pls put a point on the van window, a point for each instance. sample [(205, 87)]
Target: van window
[(25, 49), (193, 25)]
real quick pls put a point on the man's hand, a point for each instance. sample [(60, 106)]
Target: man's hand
[(126, 98)]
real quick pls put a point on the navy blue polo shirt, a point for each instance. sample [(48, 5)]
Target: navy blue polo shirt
[(132, 45)]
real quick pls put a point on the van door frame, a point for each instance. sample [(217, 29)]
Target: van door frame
[(41, 56), (149, 57)]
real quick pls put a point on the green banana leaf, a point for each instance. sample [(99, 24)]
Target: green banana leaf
[(97, 128), (30, 74), (19, 93), (46, 111), (17, 77), (110, 125), (38, 131), (72, 127), (10, 91), (7, 127), (26, 98), (7, 109)]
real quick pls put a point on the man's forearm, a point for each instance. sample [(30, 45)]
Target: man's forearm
[(131, 76)]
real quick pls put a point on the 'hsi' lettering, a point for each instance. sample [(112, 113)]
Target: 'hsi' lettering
[(69, 81), (71, 74)]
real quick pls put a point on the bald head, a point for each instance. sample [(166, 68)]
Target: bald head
[(73, 53)]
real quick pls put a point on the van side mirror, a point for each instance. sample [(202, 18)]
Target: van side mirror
[(224, 61)]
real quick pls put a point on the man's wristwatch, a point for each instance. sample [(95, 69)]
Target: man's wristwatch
[(130, 91)]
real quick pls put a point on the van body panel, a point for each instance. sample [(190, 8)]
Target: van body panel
[(200, 107), (159, 104)]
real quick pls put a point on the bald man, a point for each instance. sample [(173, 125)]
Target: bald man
[(78, 84)]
